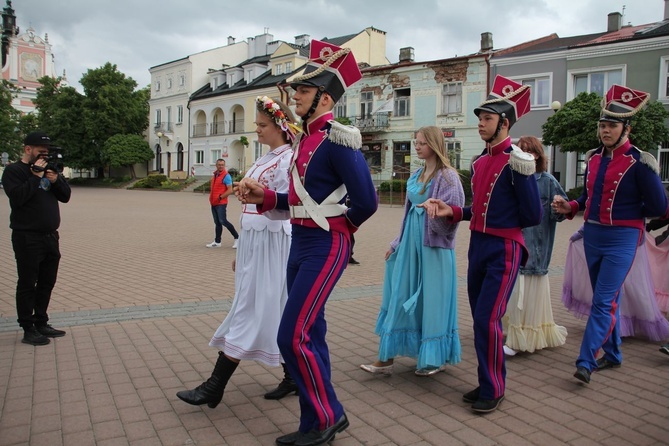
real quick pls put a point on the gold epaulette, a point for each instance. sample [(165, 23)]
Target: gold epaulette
[(345, 135)]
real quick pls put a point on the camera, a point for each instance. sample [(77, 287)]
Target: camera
[(54, 160)]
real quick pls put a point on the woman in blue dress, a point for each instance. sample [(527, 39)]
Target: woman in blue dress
[(418, 316)]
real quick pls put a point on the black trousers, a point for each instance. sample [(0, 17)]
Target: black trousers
[(37, 258)]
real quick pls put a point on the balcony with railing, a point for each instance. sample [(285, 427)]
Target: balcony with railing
[(236, 126), (199, 130), (217, 128), (376, 122), (163, 127)]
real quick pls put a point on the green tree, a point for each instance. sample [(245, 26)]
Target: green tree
[(81, 124), (10, 119), (126, 151), (574, 126), (60, 117)]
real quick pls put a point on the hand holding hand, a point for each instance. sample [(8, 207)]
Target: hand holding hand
[(250, 191), (436, 208), (560, 205)]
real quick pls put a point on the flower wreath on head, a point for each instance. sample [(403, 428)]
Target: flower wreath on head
[(273, 110)]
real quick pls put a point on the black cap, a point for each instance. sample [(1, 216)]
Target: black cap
[(37, 138)]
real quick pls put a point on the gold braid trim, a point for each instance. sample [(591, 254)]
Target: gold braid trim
[(508, 96), (326, 64), (623, 115)]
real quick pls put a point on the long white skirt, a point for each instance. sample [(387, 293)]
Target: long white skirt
[(250, 329), (531, 325)]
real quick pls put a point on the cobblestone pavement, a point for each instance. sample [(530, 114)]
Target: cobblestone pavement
[(140, 296)]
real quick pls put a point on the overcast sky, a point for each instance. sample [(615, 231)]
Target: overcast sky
[(138, 34)]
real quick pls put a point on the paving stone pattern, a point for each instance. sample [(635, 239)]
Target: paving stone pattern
[(140, 296)]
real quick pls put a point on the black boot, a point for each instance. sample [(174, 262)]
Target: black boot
[(210, 392), (285, 387)]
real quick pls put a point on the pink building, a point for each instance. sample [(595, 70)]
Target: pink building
[(25, 58)]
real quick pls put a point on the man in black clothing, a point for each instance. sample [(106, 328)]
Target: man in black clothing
[(34, 190)]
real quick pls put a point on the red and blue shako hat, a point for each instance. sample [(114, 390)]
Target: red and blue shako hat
[(508, 98), (621, 103), (331, 69)]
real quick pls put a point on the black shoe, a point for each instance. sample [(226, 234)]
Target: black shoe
[(316, 438), (471, 397), (603, 364), (49, 331), (665, 349), (289, 439), (485, 406), (285, 388), (582, 374), (352, 261), (33, 337)]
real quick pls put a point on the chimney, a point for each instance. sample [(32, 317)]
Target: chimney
[(231, 40), (406, 54), (615, 22), (486, 42), (302, 40), (666, 9)]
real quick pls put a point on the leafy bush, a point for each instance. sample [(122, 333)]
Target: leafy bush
[(466, 179), (574, 193), (204, 187), (171, 185), (151, 182), (397, 186)]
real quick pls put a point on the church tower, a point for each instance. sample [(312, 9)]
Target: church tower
[(25, 58)]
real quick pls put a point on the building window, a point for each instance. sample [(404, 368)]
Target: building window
[(180, 114), (340, 108), (214, 83), (454, 150), (663, 161), (215, 154), (278, 69), (597, 81), (401, 160), (168, 121), (452, 98), (169, 83), (289, 67), (199, 157), (402, 106), (540, 91), (257, 150), (182, 80), (366, 102), (157, 85), (663, 93), (249, 76), (158, 117)]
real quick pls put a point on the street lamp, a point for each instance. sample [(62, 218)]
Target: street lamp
[(555, 106)]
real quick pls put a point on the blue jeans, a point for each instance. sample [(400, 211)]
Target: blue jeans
[(220, 219)]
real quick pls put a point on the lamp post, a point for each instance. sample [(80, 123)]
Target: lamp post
[(555, 106)]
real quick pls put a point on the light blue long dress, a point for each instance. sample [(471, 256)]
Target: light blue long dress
[(418, 316)]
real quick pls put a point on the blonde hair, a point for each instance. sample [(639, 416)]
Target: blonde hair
[(435, 141)]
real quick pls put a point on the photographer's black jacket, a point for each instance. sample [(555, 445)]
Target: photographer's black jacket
[(33, 209)]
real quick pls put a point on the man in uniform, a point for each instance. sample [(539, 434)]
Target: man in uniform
[(505, 200), (327, 165)]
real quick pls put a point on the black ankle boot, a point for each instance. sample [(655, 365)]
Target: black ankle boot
[(285, 387), (210, 392)]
